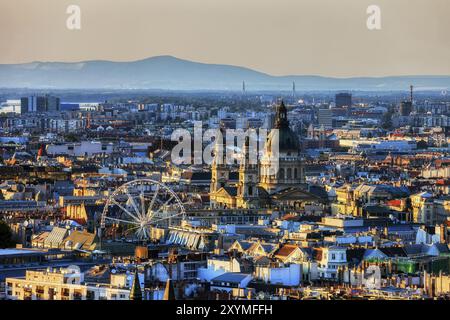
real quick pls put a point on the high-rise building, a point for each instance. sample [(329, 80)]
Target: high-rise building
[(45, 103), (52, 104), (28, 104), (343, 100), (325, 117)]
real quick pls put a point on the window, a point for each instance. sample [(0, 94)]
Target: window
[(191, 274), (90, 295), (281, 174)]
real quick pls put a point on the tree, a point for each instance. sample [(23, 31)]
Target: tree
[(5, 236), (72, 138), (422, 144), (386, 120)]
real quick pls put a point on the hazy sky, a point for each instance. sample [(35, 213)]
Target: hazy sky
[(280, 37)]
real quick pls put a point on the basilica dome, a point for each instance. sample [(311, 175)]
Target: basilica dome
[(287, 140)]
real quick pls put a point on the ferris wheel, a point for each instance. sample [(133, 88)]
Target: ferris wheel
[(137, 206)]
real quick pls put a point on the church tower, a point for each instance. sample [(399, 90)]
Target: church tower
[(247, 193), (135, 291), (219, 171), (291, 172)]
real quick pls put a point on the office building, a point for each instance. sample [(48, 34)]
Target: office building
[(45, 103), (325, 117)]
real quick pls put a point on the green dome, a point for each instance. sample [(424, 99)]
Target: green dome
[(288, 141)]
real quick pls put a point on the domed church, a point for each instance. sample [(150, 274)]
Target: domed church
[(260, 186)]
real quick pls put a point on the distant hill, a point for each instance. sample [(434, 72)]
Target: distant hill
[(167, 72)]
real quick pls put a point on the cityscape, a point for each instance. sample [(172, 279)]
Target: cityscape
[(216, 182)]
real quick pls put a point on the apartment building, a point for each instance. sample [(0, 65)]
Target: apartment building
[(62, 284)]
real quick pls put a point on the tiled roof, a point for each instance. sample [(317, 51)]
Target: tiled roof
[(56, 236), (394, 251), (80, 240), (286, 250)]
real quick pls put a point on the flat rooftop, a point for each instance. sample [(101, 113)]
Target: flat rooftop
[(19, 252)]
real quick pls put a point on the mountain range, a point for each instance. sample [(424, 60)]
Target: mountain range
[(170, 73)]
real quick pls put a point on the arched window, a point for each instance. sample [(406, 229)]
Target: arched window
[(289, 173), (250, 190), (295, 173)]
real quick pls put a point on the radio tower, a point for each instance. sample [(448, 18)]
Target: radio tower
[(293, 90)]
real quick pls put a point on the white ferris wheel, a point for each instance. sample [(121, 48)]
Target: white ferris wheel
[(137, 206)]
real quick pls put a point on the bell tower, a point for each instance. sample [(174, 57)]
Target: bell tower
[(281, 120), (219, 171), (247, 191)]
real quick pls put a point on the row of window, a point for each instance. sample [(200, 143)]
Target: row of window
[(333, 257), (287, 174)]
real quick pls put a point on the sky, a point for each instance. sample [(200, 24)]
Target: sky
[(279, 37)]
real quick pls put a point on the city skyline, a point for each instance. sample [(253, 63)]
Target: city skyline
[(240, 157)]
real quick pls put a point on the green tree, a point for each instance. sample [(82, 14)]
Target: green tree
[(422, 144), (386, 121), (72, 138), (5, 236)]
